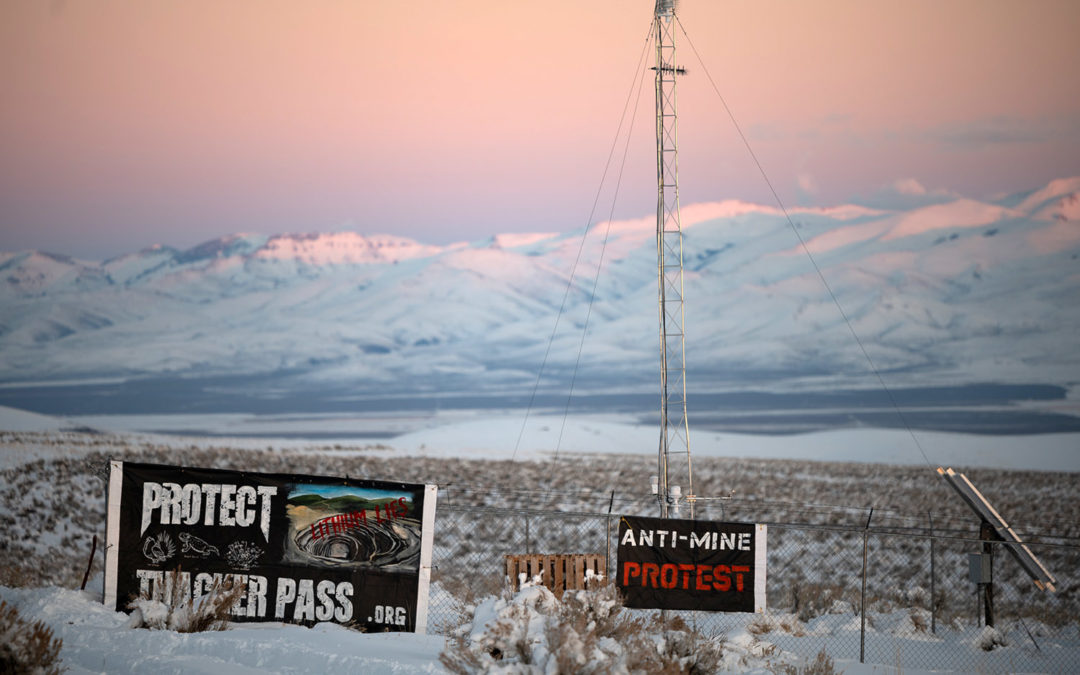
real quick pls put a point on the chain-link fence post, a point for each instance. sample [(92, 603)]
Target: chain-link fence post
[(607, 539), (862, 595), (933, 577)]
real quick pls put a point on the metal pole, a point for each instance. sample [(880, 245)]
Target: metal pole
[(607, 553), (933, 577), (89, 563), (988, 534), (862, 595)]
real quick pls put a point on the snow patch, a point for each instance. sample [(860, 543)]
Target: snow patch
[(12, 419)]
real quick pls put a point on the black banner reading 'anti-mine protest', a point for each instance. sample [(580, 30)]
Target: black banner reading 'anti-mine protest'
[(691, 564), (306, 549)]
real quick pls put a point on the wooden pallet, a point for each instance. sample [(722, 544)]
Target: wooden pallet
[(557, 572)]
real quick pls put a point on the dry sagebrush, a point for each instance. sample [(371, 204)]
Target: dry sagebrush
[(27, 647), (586, 632), (175, 609), (52, 508)]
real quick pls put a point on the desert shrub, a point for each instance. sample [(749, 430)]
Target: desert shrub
[(26, 647), (821, 665), (177, 610), (588, 631), (469, 558), (763, 624), (920, 620), (456, 581), (810, 600), (678, 649), (459, 613), (14, 576), (990, 639)]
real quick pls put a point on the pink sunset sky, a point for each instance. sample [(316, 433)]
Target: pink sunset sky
[(126, 123)]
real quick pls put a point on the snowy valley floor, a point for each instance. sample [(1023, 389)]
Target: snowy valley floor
[(509, 434), (96, 639), (55, 504)]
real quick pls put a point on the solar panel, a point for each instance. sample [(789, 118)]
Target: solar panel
[(982, 508)]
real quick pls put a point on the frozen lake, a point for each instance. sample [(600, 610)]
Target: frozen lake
[(508, 434), (981, 409)]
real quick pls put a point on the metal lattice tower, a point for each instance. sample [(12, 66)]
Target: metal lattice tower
[(675, 477)]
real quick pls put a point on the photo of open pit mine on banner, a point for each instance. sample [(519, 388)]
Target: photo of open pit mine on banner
[(304, 549)]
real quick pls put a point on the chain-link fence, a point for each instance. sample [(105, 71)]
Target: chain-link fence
[(879, 588), (892, 588)]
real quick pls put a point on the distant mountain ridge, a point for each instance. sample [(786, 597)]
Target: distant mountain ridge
[(955, 292)]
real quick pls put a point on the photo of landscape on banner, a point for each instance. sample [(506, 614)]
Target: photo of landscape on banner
[(307, 549), (691, 564)]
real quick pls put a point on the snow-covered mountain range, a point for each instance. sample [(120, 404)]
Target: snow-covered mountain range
[(955, 292)]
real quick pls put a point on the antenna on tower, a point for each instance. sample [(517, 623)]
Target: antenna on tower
[(674, 483), (667, 8)]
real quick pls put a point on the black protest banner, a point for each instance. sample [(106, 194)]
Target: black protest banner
[(691, 564), (307, 549)]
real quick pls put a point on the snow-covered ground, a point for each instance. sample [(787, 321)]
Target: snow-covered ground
[(96, 639)]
